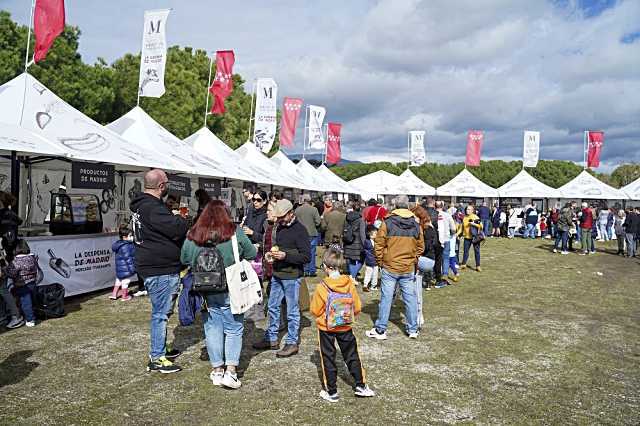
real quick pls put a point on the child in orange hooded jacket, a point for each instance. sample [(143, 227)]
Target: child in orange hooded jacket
[(335, 282)]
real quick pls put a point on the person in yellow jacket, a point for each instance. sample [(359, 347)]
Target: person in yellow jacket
[(337, 290), (471, 220)]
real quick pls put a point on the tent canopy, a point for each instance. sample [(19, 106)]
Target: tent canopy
[(312, 175), (285, 165), (409, 183), (335, 181), (377, 183), (586, 186), (256, 159), (46, 115), (466, 185), (205, 143), (525, 185), (141, 130), (23, 141), (632, 190)]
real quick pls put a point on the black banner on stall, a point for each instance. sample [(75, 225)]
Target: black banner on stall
[(179, 185), (92, 176), (212, 186)]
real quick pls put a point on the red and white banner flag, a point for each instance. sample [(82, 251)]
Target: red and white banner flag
[(48, 23), (333, 144), (291, 108), (223, 82), (595, 141), (474, 147)]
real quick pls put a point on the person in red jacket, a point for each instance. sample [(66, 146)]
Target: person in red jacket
[(374, 212), (586, 223)]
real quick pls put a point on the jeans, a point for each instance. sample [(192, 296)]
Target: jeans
[(631, 244), (453, 264), (370, 276), (160, 289), (561, 236), (530, 231), (476, 252), (486, 225), (445, 258), (223, 331), (310, 267), (512, 231), (553, 229), (620, 238), (585, 240), (610, 232), (604, 233), (409, 297), (354, 267), (25, 295), (425, 264), (290, 291)]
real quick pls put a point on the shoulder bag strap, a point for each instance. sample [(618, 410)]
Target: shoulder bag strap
[(236, 252)]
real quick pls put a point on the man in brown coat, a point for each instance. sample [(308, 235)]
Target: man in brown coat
[(332, 224)]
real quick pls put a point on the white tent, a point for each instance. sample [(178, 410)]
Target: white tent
[(466, 185), (632, 190), (205, 143), (23, 141), (312, 175), (341, 186), (256, 159), (79, 136), (141, 130), (523, 185), (586, 186), (285, 165), (376, 183), (410, 184)]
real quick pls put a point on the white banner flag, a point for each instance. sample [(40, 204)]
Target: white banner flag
[(154, 53), (316, 135), (531, 152), (418, 155), (264, 130)]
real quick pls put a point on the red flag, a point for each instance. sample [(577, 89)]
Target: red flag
[(333, 145), (595, 141), (474, 147), (290, 112), (223, 82), (48, 23)]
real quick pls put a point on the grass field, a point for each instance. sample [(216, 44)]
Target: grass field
[(535, 338)]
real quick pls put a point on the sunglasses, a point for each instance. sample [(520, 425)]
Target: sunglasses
[(259, 200)]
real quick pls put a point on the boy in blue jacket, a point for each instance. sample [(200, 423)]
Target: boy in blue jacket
[(125, 252)]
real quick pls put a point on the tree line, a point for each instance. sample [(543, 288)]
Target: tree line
[(105, 92)]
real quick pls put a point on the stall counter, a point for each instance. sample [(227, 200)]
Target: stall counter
[(81, 263)]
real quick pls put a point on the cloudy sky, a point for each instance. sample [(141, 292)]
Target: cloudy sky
[(445, 66)]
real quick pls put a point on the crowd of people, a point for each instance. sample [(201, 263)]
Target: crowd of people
[(400, 248)]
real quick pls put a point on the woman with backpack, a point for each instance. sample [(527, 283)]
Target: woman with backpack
[(223, 330), (471, 232), (353, 238)]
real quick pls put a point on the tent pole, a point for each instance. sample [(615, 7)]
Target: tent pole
[(206, 108), (15, 179), (253, 94)]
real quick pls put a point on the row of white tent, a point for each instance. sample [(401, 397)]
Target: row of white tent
[(465, 184), (44, 124)]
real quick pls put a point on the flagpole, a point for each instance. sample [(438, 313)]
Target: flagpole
[(584, 150), (206, 108), (304, 138), (253, 94), (26, 61), (409, 148), (326, 142)]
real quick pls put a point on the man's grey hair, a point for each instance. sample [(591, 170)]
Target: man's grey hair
[(339, 206), (439, 204), (401, 202)]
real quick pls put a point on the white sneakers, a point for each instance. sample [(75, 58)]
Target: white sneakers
[(140, 293), (373, 333), (364, 392), (30, 323), (226, 379), (327, 397), (231, 381), (413, 335), (555, 250)]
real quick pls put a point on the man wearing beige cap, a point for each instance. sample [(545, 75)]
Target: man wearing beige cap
[(290, 252)]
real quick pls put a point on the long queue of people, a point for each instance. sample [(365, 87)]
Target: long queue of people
[(398, 246)]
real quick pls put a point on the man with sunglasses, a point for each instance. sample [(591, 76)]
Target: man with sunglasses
[(158, 235)]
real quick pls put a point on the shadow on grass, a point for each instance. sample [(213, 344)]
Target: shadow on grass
[(15, 368), (343, 372)]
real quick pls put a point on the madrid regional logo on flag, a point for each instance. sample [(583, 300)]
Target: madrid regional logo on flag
[(292, 106)]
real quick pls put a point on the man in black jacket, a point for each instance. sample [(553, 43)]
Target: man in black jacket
[(291, 250), (159, 235), (631, 227)]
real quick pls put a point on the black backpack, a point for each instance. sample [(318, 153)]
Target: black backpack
[(49, 301), (348, 232), (209, 271)]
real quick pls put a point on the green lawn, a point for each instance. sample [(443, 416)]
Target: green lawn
[(536, 337)]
